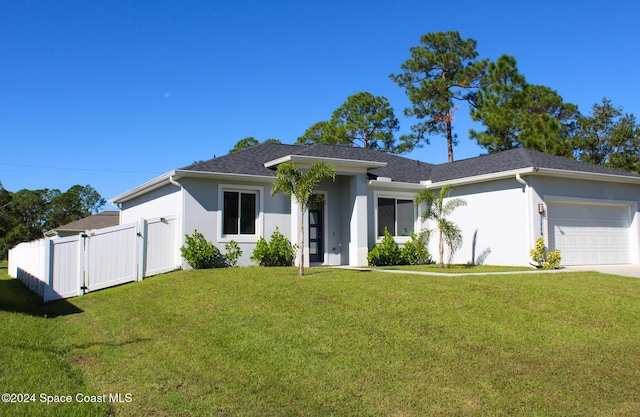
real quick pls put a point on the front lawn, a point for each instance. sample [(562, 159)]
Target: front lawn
[(36, 343), (264, 342)]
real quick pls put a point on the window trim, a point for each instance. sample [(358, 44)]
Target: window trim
[(377, 195), (246, 189)]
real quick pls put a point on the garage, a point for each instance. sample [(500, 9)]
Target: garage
[(590, 234)]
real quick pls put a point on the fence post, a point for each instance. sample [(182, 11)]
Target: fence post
[(141, 249), (47, 293), (83, 279)]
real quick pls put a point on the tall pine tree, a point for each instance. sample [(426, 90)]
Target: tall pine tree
[(517, 114), (441, 72)]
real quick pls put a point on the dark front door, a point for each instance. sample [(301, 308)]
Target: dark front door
[(316, 243)]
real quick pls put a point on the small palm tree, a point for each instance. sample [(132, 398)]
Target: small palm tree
[(291, 182), (438, 211)]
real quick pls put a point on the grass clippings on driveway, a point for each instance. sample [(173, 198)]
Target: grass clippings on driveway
[(256, 341)]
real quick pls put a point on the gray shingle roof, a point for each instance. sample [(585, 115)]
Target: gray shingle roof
[(514, 159), (96, 221), (248, 161), (400, 169), (251, 161)]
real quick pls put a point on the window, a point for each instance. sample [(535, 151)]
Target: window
[(239, 213), (396, 215)]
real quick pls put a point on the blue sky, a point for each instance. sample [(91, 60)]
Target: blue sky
[(114, 93)]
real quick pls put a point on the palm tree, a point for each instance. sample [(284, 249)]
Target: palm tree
[(291, 182), (438, 211)]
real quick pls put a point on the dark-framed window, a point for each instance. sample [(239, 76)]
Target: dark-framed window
[(396, 215), (239, 213)]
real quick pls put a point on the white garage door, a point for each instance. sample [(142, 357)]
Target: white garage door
[(589, 234)]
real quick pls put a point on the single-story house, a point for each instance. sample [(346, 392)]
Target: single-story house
[(589, 212), (96, 221)]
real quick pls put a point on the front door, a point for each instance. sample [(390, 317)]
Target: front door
[(316, 243)]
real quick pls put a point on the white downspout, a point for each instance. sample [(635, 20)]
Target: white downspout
[(182, 216), (174, 182), (521, 181), (119, 207), (527, 212)]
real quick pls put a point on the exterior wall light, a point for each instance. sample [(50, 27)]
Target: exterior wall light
[(542, 215)]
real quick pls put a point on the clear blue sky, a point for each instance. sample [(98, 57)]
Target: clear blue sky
[(115, 93)]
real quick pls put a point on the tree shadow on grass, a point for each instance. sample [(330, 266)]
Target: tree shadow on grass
[(16, 297)]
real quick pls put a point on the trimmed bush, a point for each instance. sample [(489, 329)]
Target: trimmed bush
[(233, 253), (385, 253), (415, 251), (544, 258), (388, 253), (200, 253), (277, 252)]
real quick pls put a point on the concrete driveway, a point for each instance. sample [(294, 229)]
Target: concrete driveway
[(623, 270)]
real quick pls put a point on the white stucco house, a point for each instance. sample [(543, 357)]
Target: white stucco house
[(588, 212)]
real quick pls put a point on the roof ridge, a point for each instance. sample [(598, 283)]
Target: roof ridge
[(526, 154), (240, 152)]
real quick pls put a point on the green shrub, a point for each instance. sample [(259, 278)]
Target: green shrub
[(415, 251), (233, 253), (386, 252), (277, 252), (200, 253), (545, 259), (553, 260)]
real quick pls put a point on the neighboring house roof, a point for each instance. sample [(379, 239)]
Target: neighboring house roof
[(96, 221), (260, 161)]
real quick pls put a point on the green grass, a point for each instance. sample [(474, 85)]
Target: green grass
[(457, 268), (36, 343), (264, 342)]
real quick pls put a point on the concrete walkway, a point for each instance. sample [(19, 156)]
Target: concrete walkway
[(622, 270)]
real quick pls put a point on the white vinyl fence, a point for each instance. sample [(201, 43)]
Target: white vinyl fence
[(101, 258)]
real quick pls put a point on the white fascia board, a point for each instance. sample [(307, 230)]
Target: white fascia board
[(338, 162), (391, 185), (481, 178), (221, 175), (552, 172), (150, 185), (594, 176), (181, 173)]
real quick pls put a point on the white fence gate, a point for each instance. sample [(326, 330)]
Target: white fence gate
[(101, 258), (64, 268), (111, 256)]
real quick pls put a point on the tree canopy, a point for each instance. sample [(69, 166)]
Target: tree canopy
[(517, 114), (441, 71), (608, 137), (364, 120), (249, 143), (26, 214), (321, 132), (497, 104)]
